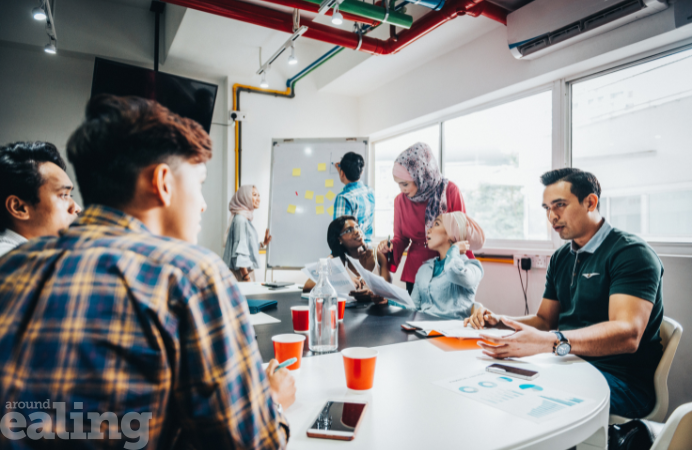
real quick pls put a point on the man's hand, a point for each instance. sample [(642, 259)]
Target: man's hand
[(526, 341), (482, 317), (281, 384)]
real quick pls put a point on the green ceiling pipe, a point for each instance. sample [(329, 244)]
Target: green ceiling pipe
[(373, 12)]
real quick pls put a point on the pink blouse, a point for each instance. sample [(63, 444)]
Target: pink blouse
[(409, 228)]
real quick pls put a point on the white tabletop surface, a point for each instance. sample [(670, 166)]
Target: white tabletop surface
[(407, 411)]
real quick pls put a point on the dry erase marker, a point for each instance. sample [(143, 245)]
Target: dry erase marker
[(389, 241), (286, 363)]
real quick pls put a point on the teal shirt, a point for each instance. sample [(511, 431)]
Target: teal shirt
[(449, 294), (582, 281)]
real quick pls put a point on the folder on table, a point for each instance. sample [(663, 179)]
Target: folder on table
[(454, 328), (260, 305)]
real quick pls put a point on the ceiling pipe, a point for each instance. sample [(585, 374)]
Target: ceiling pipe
[(276, 20), (305, 6), (360, 8)]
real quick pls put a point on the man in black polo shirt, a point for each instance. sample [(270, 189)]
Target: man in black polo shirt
[(603, 294)]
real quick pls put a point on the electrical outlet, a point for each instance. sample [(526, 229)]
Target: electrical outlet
[(539, 261)]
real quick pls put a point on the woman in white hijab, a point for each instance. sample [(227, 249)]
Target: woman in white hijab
[(242, 244)]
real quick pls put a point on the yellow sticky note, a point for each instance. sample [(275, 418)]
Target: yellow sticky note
[(330, 210), (328, 183), (319, 210), (309, 194), (322, 167), (291, 209), (319, 199), (296, 172), (330, 195)]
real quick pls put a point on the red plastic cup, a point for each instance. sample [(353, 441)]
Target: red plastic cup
[(301, 318), (342, 308), (359, 365), (287, 346)]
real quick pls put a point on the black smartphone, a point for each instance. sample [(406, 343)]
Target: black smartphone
[(511, 371), (337, 420)]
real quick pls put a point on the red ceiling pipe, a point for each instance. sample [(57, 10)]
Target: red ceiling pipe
[(311, 7), (489, 10), (280, 21)]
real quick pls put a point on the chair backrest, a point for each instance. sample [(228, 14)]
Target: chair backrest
[(671, 332), (677, 432)]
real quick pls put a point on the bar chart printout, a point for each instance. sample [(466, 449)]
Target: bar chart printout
[(527, 399)]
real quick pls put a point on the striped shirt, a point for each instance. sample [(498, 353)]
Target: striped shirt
[(108, 317), (358, 200)]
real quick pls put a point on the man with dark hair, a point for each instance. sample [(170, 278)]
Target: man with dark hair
[(356, 199), (602, 298), (123, 315), (35, 193)]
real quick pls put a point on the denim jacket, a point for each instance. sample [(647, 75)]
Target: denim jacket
[(451, 294)]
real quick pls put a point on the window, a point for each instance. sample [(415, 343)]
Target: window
[(385, 188), (631, 128), (496, 156)]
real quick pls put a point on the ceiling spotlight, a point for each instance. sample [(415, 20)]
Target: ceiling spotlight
[(50, 48), (263, 83), (292, 60), (38, 13), (337, 18)]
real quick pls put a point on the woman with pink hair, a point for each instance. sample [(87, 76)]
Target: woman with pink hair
[(425, 194), (446, 286)]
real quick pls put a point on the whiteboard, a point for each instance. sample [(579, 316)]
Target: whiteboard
[(298, 224)]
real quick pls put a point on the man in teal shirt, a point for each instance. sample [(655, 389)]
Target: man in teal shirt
[(356, 199), (602, 297)]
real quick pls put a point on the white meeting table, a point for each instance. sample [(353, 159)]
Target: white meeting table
[(407, 411)]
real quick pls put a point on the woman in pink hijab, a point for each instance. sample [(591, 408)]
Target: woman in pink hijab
[(242, 244), (425, 194)]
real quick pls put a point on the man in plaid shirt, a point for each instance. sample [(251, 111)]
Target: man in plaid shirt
[(356, 199), (122, 316)]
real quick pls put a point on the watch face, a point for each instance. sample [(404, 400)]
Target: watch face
[(563, 349)]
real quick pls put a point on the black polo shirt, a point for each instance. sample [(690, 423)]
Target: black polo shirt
[(612, 262)]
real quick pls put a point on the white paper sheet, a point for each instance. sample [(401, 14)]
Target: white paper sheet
[(262, 318), (456, 328), (379, 286), (527, 399), (338, 277)]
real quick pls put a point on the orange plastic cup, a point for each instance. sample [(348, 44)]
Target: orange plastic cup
[(359, 365), (342, 308), (287, 346)]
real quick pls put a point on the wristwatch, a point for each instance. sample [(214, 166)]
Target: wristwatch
[(562, 347)]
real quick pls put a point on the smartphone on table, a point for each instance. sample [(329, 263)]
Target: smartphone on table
[(511, 371), (337, 420)]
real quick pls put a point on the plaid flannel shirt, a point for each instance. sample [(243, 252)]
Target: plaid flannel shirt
[(358, 200), (122, 320)]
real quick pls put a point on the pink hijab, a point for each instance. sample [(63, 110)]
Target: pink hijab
[(241, 203), (461, 227)]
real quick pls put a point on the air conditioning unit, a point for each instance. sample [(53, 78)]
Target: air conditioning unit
[(543, 26)]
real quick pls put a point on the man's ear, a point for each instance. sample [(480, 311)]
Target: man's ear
[(18, 208), (591, 202), (162, 183)]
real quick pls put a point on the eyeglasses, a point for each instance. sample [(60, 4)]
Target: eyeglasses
[(350, 230)]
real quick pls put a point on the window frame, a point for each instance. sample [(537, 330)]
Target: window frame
[(561, 144)]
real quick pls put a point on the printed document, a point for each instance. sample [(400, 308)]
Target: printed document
[(379, 286), (456, 328), (338, 277), (530, 400)]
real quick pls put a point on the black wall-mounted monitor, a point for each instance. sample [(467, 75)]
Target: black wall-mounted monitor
[(189, 98)]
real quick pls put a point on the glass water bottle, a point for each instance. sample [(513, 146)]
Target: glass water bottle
[(324, 326)]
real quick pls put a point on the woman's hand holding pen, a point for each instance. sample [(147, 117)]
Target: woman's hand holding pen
[(385, 246)]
